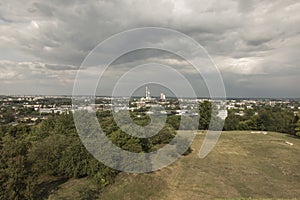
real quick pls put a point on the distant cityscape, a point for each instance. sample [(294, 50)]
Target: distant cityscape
[(33, 109)]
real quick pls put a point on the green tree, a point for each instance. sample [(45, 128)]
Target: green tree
[(16, 179), (75, 160), (208, 115), (46, 154), (232, 122), (174, 121), (126, 142), (205, 111), (9, 116), (164, 136), (19, 130), (297, 129), (294, 125)]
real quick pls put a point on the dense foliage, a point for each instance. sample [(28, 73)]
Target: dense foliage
[(264, 119), (52, 149), (33, 156), (297, 129)]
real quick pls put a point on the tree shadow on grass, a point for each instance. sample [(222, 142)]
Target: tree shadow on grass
[(47, 187), (293, 136)]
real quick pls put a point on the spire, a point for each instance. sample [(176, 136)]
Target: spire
[(148, 97)]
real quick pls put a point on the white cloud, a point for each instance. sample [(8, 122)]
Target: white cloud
[(257, 38), (246, 66)]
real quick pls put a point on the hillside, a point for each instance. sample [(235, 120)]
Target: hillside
[(242, 165)]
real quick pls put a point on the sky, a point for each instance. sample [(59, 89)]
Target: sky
[(255, 44)]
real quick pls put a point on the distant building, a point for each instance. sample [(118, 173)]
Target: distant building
[(241, 113), (162, 96), (140, 104), (148, 95), (45, 111)]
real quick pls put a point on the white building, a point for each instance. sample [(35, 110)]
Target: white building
[(148, 95), (162, 96)]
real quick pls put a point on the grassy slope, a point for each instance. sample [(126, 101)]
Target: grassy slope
[(69, 190), (241, 165)]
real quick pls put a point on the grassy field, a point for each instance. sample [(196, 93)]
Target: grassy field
[(242, 165)]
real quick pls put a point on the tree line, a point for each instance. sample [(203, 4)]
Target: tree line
[(30, 154), (264, 119)]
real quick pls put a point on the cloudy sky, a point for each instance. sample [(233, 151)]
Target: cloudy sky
[(255, 44)]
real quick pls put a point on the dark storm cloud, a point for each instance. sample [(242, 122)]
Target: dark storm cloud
[(252, 42)]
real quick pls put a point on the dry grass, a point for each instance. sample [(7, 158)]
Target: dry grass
[(70, 189), (242, 165)]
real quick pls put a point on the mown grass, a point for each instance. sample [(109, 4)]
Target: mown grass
[(74, 189), (243, 165), (138, 187)]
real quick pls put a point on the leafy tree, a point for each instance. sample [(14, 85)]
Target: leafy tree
[(208, 115), (64, 124), (107, 123), (269, 119), (126, 142), (74, 161), (140, 119), (174, 121), (9, 116), (294, 125), (164, 136), (246, 125), (51, 148), (18, 130), (297, 129), (232, 122), (46, 154), (16, 178), (205, 112), (45, 128)]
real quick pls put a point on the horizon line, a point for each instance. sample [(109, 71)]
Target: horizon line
[(138, 96)]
